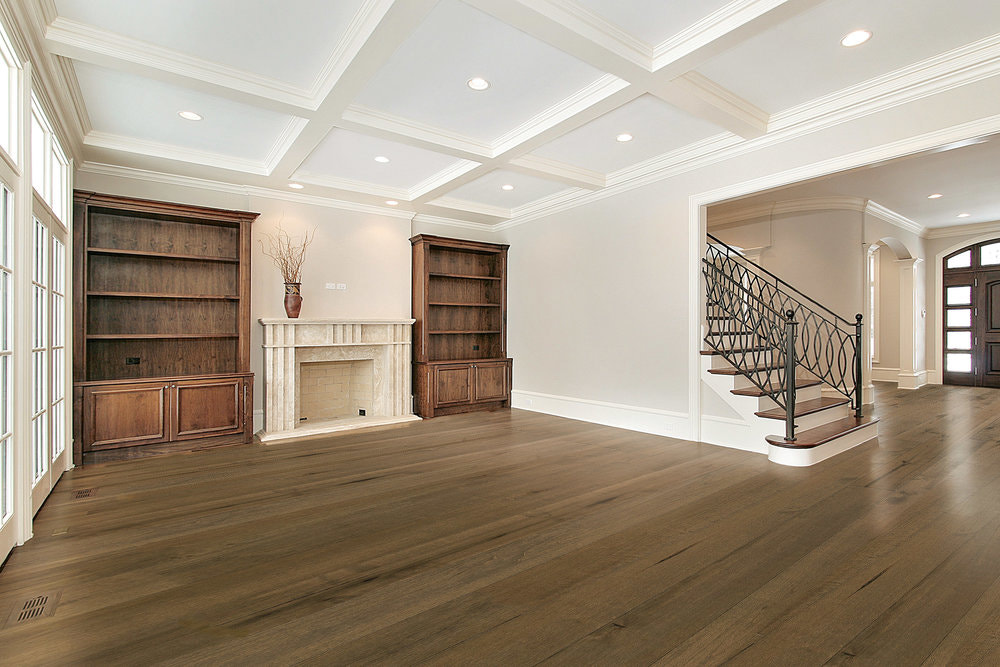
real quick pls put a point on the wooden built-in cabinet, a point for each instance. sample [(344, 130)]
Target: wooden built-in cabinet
[(460, 333), (161, 322)]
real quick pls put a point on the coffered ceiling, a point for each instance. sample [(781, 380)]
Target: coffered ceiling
[(312, 91)]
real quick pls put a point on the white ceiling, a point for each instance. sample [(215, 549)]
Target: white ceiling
[(797, 61), (312, 90), (967, 177)]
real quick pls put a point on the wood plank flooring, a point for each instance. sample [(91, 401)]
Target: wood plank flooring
[(513, 538)]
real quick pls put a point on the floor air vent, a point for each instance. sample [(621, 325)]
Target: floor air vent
[(80, 494), (29, 610)]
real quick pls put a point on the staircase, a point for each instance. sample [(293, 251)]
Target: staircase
[(782, 362)]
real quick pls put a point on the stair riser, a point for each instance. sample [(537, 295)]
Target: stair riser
[(732, 341), (807, 457), (805, 422), (759, 357), (809, 393)]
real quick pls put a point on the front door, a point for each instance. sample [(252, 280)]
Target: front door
[(972, 316), (986, 346)]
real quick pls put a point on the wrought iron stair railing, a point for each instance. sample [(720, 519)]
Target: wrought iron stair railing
[(769, 330)]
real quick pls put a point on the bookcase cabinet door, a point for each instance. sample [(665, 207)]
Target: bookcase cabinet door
[(452, 384), (125, 415), (205, 408), (490, 381)]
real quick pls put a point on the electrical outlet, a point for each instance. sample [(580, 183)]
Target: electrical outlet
[(361, 412), (331, 286), (341, 285)]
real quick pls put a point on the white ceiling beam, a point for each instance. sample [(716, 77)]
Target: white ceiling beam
[(88, 44), (395, 25), (572, 29)]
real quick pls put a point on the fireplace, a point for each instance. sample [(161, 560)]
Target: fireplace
[(322, 376)]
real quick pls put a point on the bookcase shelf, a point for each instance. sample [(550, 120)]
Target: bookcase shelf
[(460, 308), (162, 323)]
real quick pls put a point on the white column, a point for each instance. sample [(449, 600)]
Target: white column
[(912, 371)]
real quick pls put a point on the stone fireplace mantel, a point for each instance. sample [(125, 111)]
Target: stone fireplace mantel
[(290, 343)]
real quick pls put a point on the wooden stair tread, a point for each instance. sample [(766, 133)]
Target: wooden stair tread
[(800, 383), (803, 408), (815, 437), (736, 371), (737, 350)]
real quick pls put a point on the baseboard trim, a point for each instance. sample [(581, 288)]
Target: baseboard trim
[(630, 417), (934, 377), (258, 421), (885, 374), (914, 380)]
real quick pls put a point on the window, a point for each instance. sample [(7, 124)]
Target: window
[(57, 408), (9, 68), (49, 165), (39, 354), (6, 349)]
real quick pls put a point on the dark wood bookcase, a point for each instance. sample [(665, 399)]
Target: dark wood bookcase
[(161, 349), (460, 335)]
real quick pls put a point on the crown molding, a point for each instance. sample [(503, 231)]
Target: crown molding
[(451, 222), (170, 152), (604, 87), (876, 210), (425, 136), (709, 29), (964, 65), (570, 174), (132, 173), (759, 212), (78, 40), (962, 230), (443, 177), (786, 207)]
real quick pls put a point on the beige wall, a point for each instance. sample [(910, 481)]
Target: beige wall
[(817, 252)]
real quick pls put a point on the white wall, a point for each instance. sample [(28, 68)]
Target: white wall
[(817, 252), (599, 295)]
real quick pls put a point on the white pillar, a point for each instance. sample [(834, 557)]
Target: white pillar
[(912, 371)]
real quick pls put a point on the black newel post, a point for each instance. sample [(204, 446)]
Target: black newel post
[(790, 376)]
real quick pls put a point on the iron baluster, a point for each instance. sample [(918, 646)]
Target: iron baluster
[(857, 366), (790, 376)]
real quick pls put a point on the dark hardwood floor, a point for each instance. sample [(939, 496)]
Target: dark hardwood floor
[(516, 538)]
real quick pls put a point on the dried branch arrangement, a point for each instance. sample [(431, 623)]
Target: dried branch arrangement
[(288, 254)]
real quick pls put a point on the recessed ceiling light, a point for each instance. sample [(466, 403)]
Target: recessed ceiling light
[(392, 202), (381, 158), (964, 215), (507, 186), (855, 38), (478, 83), (625, 136), (936, 195), (189, 115), (296, 186)]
